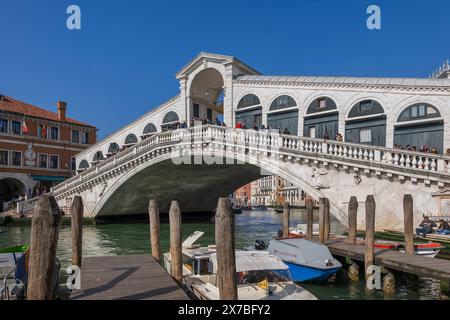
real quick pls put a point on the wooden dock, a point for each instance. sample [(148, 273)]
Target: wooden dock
[(126, 278), (414, 264)]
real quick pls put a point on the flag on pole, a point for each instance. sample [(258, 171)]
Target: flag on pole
[(24, 126)]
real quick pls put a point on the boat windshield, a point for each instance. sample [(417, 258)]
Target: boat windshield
[(256, 277)]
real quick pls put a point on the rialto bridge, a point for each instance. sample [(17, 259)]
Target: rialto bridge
[(150, 159)]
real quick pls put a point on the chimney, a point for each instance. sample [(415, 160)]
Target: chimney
[(62, 106)]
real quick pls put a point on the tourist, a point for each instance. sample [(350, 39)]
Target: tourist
[(434, 150), (448, 152), (339, 137), (326, 136), (426, 227), (286, 131), (255, 126), (444, 227), (183, 125), (239, 125)]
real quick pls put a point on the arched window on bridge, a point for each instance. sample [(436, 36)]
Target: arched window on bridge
[(322, 119), (98, 156), (420, 126), (149, 130), (249, 111), (366, 124), (171, 121), (113, 149), (84, 165), (130, 140), (283, 114)]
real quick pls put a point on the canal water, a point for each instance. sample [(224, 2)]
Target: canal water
[(133, 238)]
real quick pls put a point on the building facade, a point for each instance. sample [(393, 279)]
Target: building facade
[(37, 148), (271, 190)]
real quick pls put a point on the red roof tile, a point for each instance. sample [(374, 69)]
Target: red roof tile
[(9, 104)]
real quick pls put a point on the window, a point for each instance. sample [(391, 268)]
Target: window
[(54, 133), (196, 110), (54, 162), (16, 127), (73, 163), (16, 158), (43, 161), (75, 136), (365, 105), (365, 135), (283, 102), (418, 112), (85, 138), (42, 131), (3, 125), (249, 100), (312, 132), (4, 157), (322, 103)]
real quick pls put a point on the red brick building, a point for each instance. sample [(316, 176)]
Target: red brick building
[(243, 195), (37, 147)]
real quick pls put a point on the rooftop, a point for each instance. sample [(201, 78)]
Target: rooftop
[(421, 82), (8, 104)]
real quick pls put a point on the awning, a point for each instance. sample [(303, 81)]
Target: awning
[(49, 178)]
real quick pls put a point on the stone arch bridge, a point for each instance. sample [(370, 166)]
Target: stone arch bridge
[(197, 165)]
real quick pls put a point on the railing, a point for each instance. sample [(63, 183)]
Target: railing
[(266, 141)]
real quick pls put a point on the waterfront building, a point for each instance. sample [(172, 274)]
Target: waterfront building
[(37, 148), (243, 195), (271, 190)]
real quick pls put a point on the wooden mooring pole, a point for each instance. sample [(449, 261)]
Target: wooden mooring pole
[(76, 211), (153, 213), (322, 220), (286, 216), (370, 233), (226, 258), (310, 218), (327, 223), (176, 264), (45, 227), (352, 220), (409, 223)]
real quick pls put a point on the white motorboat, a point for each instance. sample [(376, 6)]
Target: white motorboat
[(260, 275)]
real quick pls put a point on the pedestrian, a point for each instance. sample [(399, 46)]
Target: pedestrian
[(326, 136)]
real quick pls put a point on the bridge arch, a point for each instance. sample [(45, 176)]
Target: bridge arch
[(130, 140), (366, 123), (249, 110), (420, 127), (206, 93), (84, 165), (11, 187), (149, 129), (283, 113), (170, 121), (244, 173), (113, 148), (321, 118)]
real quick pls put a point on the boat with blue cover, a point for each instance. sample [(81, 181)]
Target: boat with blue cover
[(307, 260)]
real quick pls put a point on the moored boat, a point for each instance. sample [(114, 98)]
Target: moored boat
[(307, 260), (260, 275)]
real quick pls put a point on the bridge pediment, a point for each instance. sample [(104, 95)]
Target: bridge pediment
[(206, 60)]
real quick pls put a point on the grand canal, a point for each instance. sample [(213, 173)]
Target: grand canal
[(133, 238)]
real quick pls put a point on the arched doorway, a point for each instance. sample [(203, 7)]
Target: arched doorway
[(130, 140), (10, 189), (420, 126), (206, 96), (149, 130), (322, 117), (366, 124), (249, 111), (283, 114)]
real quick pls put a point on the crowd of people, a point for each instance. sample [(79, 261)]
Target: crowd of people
[(427, 226), (424, 149)]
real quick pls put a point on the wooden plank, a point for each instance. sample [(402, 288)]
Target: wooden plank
[(126, 278), (415, 264)]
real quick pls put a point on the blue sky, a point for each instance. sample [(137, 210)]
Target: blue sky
[(123, 61)]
